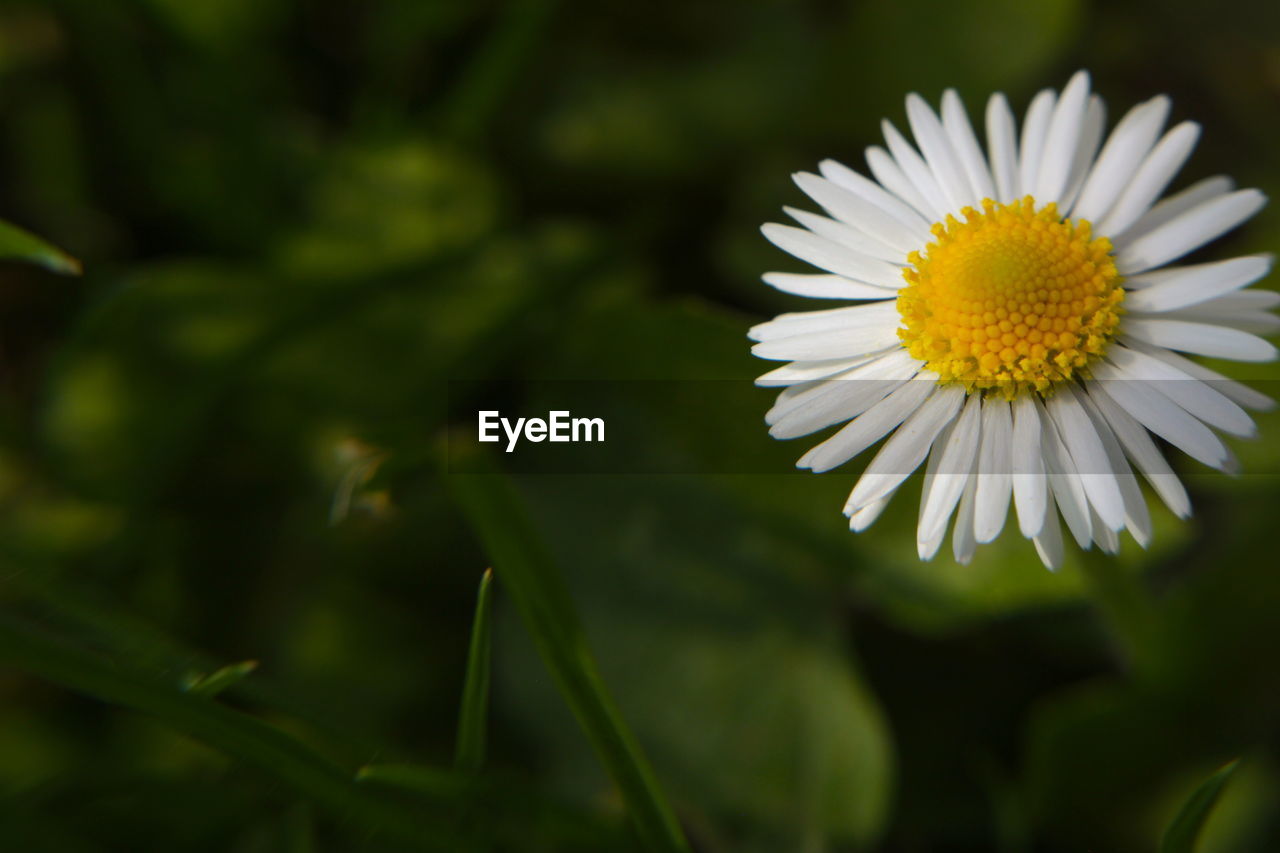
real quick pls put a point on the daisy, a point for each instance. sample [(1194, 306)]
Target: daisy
[(1017, 321)]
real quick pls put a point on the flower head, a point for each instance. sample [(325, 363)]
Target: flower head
[(1017, 322)]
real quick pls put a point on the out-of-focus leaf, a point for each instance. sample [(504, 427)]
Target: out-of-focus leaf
[(473, 717), (237, 734), (728, 650), (534, 582), (1181, 835), (377, 209), (979, 47), (19, 245)]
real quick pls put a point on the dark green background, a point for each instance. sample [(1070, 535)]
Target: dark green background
[(299, 220)]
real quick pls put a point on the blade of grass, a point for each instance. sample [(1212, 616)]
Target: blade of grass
[(1181, 835), (496, 66), (430, 781), (17, 244), (474, 713), (215, 682), (236, 734), (534, 583)]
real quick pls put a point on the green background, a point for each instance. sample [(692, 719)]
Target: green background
[(299, 220)]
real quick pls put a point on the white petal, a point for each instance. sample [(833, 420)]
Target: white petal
[(995, 467), (846, 343), (954, 469), (865, 517), (807, 371), (1237, 391), (823, 286), (927, 547), (1171, 207), (1107, 539), (847, 236), (839, 398), (1217, 313), (857, 211), (1034, 130), (1161, 416), (1120, 158), (851, 318), (1246, 310), (906, 448), (1095, 121), (868, 428), (831, 256), (1189, 231), (1029, 486), (955, 121), (1003, 147), (842, 175), (936, 148), (963, 541), (1170, 289), (1199, 338), (1088, 455), (1136, 515), (916, 170), (1155, 173), (890, 175), (1049, 541), (1242, 301), (1192, 395), (1062, 140), (1064, 482), (1142, 450)]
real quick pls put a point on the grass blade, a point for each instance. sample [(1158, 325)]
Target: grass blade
[(474, 713), (19, 245), (1181, 835), (236, 734), (535, 585), (215, 682)]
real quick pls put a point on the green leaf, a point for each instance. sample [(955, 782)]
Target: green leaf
[(709, 641), (475, 691), (535, 585), (20, 245), (231, 732), (1181, 835), (215, 682)]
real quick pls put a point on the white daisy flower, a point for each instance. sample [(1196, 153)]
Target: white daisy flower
[(1017, 321)]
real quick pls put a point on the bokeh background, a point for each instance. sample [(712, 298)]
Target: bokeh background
[(300, 220)]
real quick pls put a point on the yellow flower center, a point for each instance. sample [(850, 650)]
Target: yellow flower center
[(1012, 299)]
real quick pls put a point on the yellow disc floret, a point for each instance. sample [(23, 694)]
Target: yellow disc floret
[(1012, 299)]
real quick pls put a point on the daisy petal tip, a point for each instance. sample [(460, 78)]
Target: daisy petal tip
[(1264, 404), (1029, 531)]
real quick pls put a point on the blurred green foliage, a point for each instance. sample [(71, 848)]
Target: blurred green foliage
[(300, 220)]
